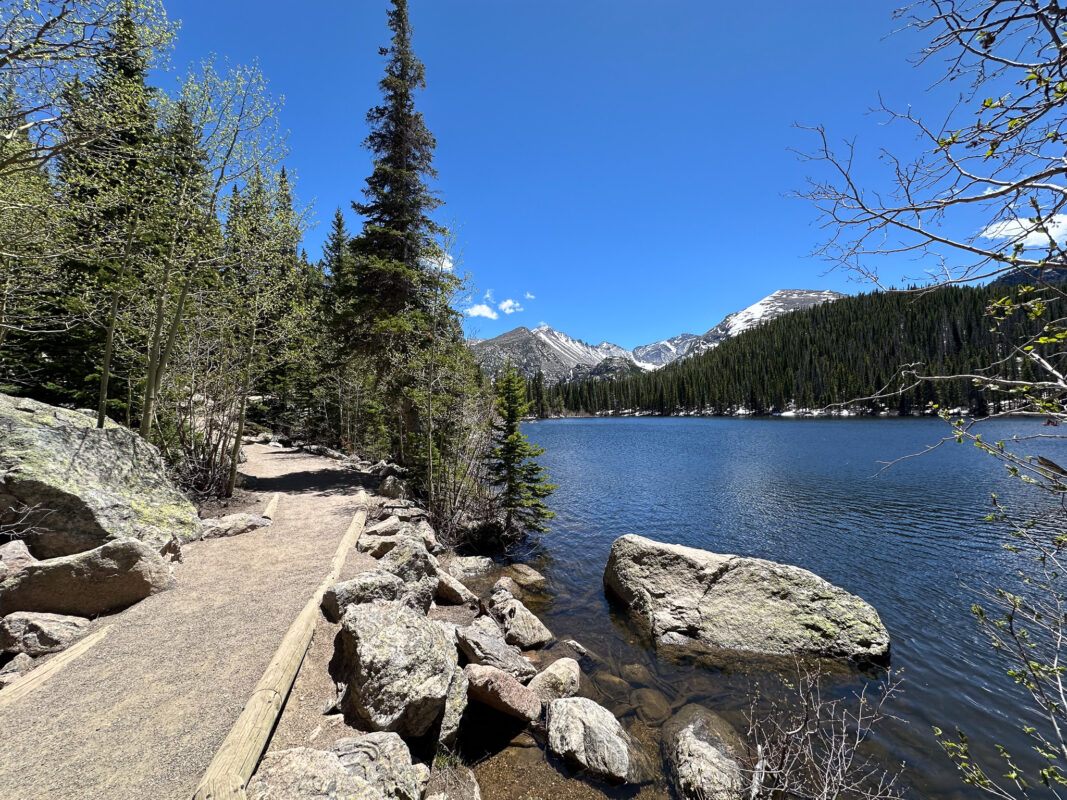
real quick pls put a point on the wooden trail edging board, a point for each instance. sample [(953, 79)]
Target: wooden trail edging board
[(34, 678), (272, 506), (240, 752)]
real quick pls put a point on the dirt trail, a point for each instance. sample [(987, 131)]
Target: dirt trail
[(141, 714)]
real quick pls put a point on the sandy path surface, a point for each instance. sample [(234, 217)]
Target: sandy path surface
[(141, 714)]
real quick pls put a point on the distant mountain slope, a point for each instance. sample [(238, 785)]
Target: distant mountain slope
[(828, 353), (561, 357)]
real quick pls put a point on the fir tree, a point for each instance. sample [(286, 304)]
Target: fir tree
[(513, 470)]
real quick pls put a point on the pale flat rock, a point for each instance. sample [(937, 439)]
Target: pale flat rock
[(91, 485), (467, 566), (398, 666), (37, 634), (587, 735), (387, 527), (14, 556), (701, 751), (452, 591), (525, 576), (559, 679), (231, 525), (109, 578), (702, 602), (497, 689), (365, 587)]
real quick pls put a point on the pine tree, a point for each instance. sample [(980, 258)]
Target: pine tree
[(513, 470)]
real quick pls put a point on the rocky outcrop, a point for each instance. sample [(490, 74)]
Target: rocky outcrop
[(109, 578), (484, 644), (497, 689), (398, 666), (587, 735), (90, 485), (383, 761), (559, 679), (521, 627), (702, 602), (365, 587), (701, 751), (37, 634), (231, 525)]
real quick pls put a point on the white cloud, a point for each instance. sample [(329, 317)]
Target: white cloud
[(509, 306), (489, 296), (481, 310), (1024, 231), (443, 262), (530, 296)]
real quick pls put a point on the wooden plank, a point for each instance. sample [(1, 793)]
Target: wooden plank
[(236, 760), (272, 506), (34, 678)]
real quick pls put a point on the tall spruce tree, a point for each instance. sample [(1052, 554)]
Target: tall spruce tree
[(513, 470)]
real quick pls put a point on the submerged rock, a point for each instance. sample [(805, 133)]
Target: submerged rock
[(559, 679), (398, 666), (525, 576), (701, 751), (109, 578), (699, 601), (588, 735), (89, 485)]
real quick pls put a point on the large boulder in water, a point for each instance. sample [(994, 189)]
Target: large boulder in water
[(109, 578), (89, 485), (702, 602), (398, 665)]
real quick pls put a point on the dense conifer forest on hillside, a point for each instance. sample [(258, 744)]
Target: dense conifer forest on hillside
[(837, 352)]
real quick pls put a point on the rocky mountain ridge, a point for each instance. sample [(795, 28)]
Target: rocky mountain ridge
[(560, 357)]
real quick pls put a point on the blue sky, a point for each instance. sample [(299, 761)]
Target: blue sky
[(618, 169)]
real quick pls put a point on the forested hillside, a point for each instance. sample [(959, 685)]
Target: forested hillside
[(832, 353)]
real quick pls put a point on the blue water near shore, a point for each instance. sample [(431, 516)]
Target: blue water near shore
[(911, 540)]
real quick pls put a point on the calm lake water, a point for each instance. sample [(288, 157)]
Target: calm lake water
[(911, 541)]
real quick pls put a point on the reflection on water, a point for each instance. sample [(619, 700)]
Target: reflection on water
[(805, 492)]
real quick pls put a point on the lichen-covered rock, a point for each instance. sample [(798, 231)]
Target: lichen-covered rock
[(231, 525), (701, 751), (109, 578), (587, 735), (391, 486), (387, 527), (383, 761), (91, 485), (455, 705), (452, 783), (482, 645), (497, 689), (306, 774), (465, 566), (413, 564), (699, 601), (14, 555), (521, 627), (398, 666), (365, 587), (559, 679), (19, 665), (506, 584), (36, 634)]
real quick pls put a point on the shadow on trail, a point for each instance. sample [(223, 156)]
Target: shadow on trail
[(321, 481)]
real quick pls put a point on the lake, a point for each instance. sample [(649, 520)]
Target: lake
[(910, 540)]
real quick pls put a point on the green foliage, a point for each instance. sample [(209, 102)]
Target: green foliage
[(522, 484)]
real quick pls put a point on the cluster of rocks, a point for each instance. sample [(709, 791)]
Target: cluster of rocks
[(417, 651)]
